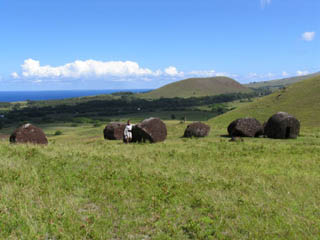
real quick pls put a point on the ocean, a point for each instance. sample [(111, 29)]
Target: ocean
[(14, 96)]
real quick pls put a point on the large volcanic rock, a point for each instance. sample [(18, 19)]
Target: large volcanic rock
[(245, 127), (151, 129), (197, 129), (282, 126), (114, 131), (28, 133)]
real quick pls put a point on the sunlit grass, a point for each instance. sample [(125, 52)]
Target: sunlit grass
[(81, 186)]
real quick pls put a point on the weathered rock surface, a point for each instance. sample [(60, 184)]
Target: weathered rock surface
[(197, 129), (28, 133), (282, 126), (151, 129), (245, 127), (114, 131)]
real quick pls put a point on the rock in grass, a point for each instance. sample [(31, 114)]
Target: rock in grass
[(151, 129), (282, 126), (114, 131), (245, 127), (197, 129), (28, 133)]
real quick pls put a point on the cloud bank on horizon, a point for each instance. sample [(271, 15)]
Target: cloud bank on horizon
[(110, 70), (123, 71)]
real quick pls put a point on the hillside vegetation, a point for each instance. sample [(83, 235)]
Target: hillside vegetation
[(301, 99), (104, 108), (196, 87), (280, 82)]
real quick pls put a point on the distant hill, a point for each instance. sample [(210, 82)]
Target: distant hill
[(196, 87), (301, 99), (280, 82)]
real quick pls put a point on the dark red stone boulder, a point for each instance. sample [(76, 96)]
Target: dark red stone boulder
[(28, 133), (114, 131), (197, 129), (151, 129), (245, 127), (282, 126)]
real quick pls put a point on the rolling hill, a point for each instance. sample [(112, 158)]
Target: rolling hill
[(280, 82), (197, 87), (301, 99)]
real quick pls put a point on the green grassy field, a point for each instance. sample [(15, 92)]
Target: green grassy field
[(81, 186)]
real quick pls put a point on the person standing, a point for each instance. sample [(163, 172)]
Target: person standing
[(128, 132)]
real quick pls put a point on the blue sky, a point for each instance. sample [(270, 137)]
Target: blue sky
[(113, 44)]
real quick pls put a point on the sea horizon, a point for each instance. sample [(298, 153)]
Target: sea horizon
[(38, 95)]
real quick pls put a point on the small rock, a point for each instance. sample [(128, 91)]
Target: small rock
[(197, 129)]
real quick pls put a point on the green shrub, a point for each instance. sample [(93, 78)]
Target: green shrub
[(97, 123), (58, 132)]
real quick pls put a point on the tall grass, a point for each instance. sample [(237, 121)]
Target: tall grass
[(81, 186)]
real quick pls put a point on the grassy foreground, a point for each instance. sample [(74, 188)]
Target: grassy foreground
[(83, 187)]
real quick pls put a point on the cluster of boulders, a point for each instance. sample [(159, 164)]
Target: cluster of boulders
[(280, 126), (152, 130)]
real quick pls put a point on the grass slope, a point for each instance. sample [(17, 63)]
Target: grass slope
[(83, 187), (281, 82), (301, 99), (196, 87)]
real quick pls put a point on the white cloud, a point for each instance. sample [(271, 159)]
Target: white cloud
[(99, 72), (265, 3), (285, 74), (222, 74), (172, 71), (210, 73), (89, 68), (203, 73), (270, 75), (259, 76), (37, 81), (308, 36), (114, 69), (253, 75), (302, 73), (15, 75)]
